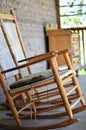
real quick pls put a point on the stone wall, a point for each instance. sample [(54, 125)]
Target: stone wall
[(32, 16)]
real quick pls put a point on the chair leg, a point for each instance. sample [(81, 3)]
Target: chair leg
[(14, 111), (10, 100), (31, 100), (78, 91), (53, 63)]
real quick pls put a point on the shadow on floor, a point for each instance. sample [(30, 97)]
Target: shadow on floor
[(81, 125)]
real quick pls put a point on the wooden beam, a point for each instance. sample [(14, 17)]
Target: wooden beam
[(58, 13)]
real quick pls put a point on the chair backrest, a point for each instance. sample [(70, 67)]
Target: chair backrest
[(6, 60), (13, 38)]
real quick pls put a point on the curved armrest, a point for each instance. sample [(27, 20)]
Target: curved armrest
[(33, 60)]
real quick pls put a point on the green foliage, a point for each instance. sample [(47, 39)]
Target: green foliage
[(72, 12), (82, 72)]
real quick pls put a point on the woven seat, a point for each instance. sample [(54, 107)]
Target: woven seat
[(31, 79), (36, 79)]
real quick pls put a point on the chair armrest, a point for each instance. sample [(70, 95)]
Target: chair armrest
[(68, 50), (34, 60), (30, 59)]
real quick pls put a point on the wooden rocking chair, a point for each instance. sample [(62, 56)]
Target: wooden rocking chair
[(65, 90), (16, 47)]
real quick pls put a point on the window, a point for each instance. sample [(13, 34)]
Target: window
[(72, 13)]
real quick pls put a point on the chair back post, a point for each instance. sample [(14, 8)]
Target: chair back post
[(20, 39), (10, 49)]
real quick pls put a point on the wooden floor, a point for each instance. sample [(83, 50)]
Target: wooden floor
[(81, 125)]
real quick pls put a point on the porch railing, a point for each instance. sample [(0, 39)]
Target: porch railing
[(82, 34)]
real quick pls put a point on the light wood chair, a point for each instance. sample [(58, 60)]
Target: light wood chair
[(65, 94), (24, 86), (10, 30), (16, 46)]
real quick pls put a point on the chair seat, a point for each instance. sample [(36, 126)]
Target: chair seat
[(36, 79)]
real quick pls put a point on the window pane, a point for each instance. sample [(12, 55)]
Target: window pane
[(73, 13)]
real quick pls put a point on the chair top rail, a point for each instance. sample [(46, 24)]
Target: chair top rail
[(6, 16)]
